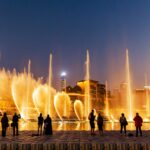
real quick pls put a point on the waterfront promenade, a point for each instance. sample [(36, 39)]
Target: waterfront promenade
[(75, 140)]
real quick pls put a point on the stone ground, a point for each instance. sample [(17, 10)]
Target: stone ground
[(75, 140), (75, 136)]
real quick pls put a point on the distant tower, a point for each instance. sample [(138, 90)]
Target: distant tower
[(63, 81)]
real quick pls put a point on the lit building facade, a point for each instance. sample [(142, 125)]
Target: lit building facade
[(97, 94)]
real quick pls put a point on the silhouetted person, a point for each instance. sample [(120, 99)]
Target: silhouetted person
[(40, 123), (15, 120), (91, 119), (138, 123), (4, 122), (100, 124), (123, 123), (48, 126)]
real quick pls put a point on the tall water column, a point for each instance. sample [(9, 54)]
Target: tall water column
[(106, 100), (28, 90), (129, 90), (49, 99), (87, 101)]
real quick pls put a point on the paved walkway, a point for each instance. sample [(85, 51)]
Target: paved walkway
[(75, 140)]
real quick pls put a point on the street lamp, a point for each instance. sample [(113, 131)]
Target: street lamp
[(63, 80), (63, 74)]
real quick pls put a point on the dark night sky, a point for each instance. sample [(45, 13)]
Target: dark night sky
[(31, 29)]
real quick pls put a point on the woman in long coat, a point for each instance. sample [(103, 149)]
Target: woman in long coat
[(48, 125)]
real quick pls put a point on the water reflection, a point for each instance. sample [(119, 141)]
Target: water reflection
[(84, 125)]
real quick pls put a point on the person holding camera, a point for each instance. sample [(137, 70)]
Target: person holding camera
[(14, 124)]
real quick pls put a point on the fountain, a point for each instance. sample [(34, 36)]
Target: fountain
[(31, 96), (22, 87), (106, 100), (147, 97), (129, 90), (49, 100), (78, 108), (5, 85), (87, 103), (28, 90), (62, 105), (43, 95), (40, 94)]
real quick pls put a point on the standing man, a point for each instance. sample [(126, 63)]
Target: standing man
[(91, 119), (123, 123), (40, 124), (5, 124), (138, 123), (15, 120)]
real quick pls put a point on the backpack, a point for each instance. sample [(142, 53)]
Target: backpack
[(123, 120), (99, 120), (89, 117)]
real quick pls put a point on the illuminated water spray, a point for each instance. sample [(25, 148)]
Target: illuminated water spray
[(78, 108), (28, 90), (147, 97), (49, 109), (129, 92), (62, 103), (106, 100), (87, 102)]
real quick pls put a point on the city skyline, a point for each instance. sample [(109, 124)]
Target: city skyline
[(34, 29)]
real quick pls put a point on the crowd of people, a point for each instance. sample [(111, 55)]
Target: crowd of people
[(45, 125), (123, 123)]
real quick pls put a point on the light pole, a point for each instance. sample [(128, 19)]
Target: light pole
[(63, 81), (63, 88)]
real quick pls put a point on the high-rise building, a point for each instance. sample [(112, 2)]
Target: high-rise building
[(97, 93)]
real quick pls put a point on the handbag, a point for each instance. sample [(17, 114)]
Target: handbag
[(126, 123), (12, 124), (7, 125)]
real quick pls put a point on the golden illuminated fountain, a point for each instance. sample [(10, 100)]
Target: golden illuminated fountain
[(62, 105), (106, 101), (29, 96), (5, 85), (78, 107), (87, 102), (147, 91), (125, 99), (22, 87), (129, 89)]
